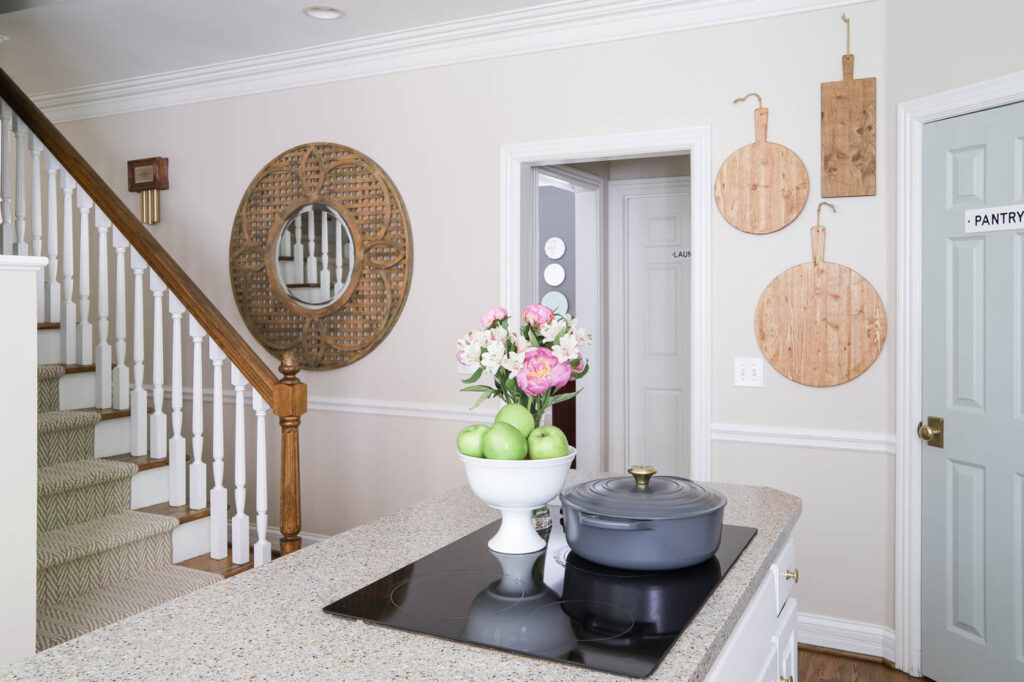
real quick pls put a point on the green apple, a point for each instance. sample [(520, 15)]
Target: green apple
[(547, 442), (503, 441), (517, 416), (471, 440)]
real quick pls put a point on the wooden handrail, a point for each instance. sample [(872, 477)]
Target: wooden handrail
[(286, 396), (260, 377)]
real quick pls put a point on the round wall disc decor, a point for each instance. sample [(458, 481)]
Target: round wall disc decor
[(321, 255)]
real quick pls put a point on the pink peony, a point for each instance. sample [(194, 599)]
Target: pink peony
[(492, 316), (542, 370), (537, 315)]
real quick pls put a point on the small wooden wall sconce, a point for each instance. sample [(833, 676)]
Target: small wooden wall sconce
[(148, 177)]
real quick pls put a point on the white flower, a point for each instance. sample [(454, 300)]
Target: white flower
[(550, 331), (521, 342), (493, 356), (566, 350), (513, 363)]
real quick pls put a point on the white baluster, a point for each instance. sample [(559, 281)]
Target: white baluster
[(197, 470), (311, 256), (35, 147), (138, 420), (218, 494), (6, 146), (20, 145), (240, 521), (53, 298), (298, 254), (339, 261), (104, 376), (261, 550), (176, 447), (119, 379), (325, 273), (68, 352), (158, 420), (286, 243), (84, 336)]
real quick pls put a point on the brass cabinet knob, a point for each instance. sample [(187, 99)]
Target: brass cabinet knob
[(793, 575), (642, 474)]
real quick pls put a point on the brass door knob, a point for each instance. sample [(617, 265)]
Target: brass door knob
[(793, 575), (931, 433), (642, 474), (786, 679)]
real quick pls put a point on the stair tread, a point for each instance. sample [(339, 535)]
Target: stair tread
[(183, 514), (99, 535), (78, 369), (143, 462), (48, 325), (50, 372), (106, 413), (58, 420), (71, 618), (222, 567), (59, 478)]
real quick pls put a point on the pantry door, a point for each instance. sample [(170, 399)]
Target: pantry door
[(649, 260), (972, 542)]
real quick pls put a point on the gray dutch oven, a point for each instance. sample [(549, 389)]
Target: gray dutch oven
[(643, 523)]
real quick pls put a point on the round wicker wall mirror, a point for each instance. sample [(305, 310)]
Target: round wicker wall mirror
[(321, 255)]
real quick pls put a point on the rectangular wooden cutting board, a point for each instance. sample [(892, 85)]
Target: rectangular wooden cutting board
[(848, 135)]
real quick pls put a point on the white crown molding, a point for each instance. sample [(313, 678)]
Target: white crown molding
[(554, 26), (825, 439), (846, 635)]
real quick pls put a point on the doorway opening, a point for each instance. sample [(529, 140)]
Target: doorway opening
[(619, 238)]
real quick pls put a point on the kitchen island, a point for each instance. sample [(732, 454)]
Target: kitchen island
[(269, 624)]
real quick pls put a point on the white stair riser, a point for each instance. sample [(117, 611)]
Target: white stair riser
[(190, 539), (48, 346), (149, 487), (77, 390), (111, 437)]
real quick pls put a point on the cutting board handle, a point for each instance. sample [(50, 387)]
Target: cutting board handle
[(761, 124), (818, 245), (847, 67)]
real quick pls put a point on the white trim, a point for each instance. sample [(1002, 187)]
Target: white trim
[(697, 142), (822, 439), (551, 26), (274, 536), (911, 118), (846, 635), (34, 263)]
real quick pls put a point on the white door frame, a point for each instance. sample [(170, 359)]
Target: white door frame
[(617, 267), (911, 119), (516, 162)]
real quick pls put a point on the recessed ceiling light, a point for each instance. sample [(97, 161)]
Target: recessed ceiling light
[(323, 12)]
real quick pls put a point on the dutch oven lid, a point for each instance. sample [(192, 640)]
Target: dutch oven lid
[(644, 497)]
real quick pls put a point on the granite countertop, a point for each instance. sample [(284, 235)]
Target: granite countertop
[(268, 623)]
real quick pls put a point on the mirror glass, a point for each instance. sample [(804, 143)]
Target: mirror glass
[(315, 255)]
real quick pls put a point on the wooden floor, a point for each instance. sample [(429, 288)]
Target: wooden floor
[(818, 665)]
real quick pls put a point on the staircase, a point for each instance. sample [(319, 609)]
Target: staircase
[(127, 513)]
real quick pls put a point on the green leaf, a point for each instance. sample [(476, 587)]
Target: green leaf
[(582, 373), (479, 388), (475, 376), (562, 397), (479, 401), (532, 336)]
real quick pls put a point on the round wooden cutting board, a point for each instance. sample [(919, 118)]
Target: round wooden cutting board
[(763, 186), (818, 323)]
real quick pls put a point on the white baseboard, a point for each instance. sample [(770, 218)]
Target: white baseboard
[(846, 635), (274, 535)]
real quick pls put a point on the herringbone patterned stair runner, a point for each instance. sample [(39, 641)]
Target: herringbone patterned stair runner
[(98, 562)]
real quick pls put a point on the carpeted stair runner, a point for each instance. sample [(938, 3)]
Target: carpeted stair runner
[(98, 562)]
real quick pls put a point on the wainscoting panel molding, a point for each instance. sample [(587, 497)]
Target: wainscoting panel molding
[(533, 29), (855, 441)]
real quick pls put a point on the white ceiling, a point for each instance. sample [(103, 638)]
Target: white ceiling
[(60, 44)]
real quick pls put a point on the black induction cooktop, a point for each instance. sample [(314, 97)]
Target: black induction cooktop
[(551, 604)]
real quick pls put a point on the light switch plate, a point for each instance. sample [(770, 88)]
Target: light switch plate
[(749, 372)]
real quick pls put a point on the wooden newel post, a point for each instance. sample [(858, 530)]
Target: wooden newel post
[(289, 405)]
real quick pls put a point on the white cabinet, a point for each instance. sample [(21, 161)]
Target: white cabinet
[(762, 647)]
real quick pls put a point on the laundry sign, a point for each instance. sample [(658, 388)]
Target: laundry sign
[(994, 218)]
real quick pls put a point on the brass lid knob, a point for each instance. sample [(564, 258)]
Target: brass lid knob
[(642, 474)]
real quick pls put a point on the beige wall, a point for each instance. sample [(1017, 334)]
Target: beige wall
[(438, 132), (18, 453)]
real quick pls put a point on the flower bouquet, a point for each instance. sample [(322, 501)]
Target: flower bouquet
[(516, 465)]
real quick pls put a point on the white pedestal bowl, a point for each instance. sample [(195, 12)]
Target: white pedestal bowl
[(516, 488)]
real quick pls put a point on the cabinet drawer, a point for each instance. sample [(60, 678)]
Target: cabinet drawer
[(786, 575)]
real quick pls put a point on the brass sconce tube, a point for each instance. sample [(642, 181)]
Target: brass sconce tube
[(149, 202)]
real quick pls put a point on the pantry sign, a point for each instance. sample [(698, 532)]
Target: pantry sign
[(994, 219)]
